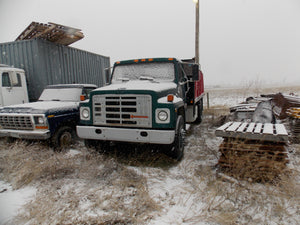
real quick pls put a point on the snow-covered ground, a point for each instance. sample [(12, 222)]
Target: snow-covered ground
[(142, 185), (11, 201)]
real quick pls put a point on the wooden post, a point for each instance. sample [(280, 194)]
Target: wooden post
[(207, 100)]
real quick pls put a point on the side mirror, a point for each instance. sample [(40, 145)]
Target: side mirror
[(107, 75), (195, 72)]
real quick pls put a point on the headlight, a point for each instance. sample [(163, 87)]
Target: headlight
[(163, 115), (40, 120), (84, 113)]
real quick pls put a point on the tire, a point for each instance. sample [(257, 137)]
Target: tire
[(177, 147), (63, 137), (199, 112)]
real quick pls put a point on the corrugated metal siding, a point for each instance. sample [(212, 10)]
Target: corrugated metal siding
[(47, 63)]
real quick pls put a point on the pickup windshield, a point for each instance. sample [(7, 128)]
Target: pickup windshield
[(61, 94), (144, 71)]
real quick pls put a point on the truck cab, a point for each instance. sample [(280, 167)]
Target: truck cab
[(13, 88), (147, 101)]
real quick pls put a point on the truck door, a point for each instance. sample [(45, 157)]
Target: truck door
[(13, 88)]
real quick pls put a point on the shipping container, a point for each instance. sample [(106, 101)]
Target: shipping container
[(47, 63)]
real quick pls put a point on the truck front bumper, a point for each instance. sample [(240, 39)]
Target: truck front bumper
[(126, 134), (25, 134)]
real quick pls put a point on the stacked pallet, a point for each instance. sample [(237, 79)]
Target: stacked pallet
[(253, 150), (294, 118)]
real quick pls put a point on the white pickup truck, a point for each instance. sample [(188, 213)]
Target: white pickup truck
[(13, 87)]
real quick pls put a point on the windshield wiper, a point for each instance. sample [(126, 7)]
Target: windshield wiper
[(146, 78), (123, 79)]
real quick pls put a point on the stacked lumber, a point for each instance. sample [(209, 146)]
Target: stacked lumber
[(253, 150), (282, 103), (294, 123)]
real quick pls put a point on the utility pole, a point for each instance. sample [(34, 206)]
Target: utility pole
[(197, 32)]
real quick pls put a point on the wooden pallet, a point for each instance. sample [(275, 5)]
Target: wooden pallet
[(52, 32), (258, 160), (253, 131)]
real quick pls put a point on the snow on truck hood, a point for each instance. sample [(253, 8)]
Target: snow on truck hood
[(140, 85), (40, 107)]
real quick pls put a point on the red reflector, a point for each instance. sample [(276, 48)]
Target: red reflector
[(170, 59), (150, 60), (143, 60), (136, 60), (82, 97), (41, 127)]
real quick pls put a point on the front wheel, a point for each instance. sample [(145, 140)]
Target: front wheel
[(177, 147), (63, 137)]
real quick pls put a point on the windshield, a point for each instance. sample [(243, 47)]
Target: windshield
[(144, 71), (61, 94)]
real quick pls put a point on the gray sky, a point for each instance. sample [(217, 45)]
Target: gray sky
[(241, 41)]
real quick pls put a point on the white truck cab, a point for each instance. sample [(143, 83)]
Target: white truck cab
[(13, 87)]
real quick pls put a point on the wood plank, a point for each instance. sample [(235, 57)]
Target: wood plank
[(280, 129), (233, 127), (268, 128), (258, 128), (224, 126), (250, 127), (242, 127)]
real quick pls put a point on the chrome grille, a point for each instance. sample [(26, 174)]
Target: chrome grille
[(122, 110), (18, 122)]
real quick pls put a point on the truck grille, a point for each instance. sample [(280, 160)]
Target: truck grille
[(122, 110), (17, 122)]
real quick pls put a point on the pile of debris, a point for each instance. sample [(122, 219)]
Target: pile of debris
[(287, 109)]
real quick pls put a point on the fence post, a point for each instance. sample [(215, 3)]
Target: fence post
[(207, 100)]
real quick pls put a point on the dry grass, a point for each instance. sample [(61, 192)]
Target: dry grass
[(85, 188)]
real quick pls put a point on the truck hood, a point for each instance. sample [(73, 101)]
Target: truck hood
[(140, 85), (41, 107)]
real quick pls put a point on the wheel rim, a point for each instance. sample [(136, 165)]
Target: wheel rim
[(65, 139)]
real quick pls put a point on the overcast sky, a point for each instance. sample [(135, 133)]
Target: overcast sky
[(241, 41)]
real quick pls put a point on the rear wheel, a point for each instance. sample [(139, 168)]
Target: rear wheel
[(177, 147)]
